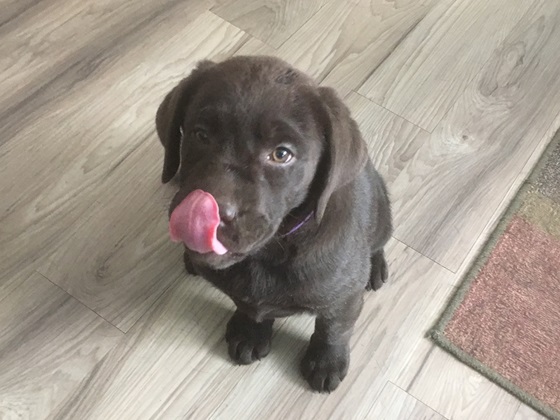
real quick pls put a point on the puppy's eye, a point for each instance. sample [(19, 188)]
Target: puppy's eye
[(281, 155), (200, 134)]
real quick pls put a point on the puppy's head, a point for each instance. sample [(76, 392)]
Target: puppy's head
[(258, 146)]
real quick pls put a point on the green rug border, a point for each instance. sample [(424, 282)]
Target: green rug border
[(437, 332)]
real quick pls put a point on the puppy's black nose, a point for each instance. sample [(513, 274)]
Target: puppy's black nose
[(228, 211)]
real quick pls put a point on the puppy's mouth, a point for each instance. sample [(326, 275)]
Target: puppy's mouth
[(214, 261), (196, 223)]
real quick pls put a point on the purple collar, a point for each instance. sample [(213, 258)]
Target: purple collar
[(299, 225)]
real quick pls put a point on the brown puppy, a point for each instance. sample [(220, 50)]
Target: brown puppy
[(279, 205)]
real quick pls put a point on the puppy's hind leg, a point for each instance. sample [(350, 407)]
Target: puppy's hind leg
[(379, 271)]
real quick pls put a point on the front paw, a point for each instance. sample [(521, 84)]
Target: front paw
[(248, 340), (324, 366)]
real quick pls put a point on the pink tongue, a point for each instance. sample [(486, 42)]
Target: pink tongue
[(195, 223)]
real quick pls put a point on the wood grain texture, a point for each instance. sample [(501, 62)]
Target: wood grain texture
[(392, 141), (271, 21), (49, 343), (176, 356), (253, 46), (458, 392), (122, 244), (373, 32), (346, 40), (460, 177), (435, 63), (527, 413), (13, 8), (57, 35), (395, 404), (177, 344)]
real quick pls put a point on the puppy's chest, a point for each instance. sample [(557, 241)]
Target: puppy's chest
[(267, 292)]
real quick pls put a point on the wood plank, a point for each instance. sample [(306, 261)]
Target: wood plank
[(271, 21), (176, 356), (310, 49), (54, 36), (253, 46), (394, 403), (177, 342), (392, 141), (84, 137), (527, 413), (346, 40), (422, 78), (373, 31), (460, 177), (49, 343), (127, 261), (533, 159), (458, 392), (13, 8)]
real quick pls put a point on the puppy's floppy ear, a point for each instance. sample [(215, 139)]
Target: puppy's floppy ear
[(345, 153), (169, 118)]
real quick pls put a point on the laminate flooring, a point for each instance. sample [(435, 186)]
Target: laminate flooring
[(456, 99)]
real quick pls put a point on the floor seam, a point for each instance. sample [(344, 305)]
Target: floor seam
[(79, 301)]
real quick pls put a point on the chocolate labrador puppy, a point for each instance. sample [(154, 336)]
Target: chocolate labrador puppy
[(279, 205)]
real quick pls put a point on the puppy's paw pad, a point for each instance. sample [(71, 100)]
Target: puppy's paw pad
[(379, 272), (324, 369), (248, 341)]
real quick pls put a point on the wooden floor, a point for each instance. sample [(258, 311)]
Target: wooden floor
[(457, 99)]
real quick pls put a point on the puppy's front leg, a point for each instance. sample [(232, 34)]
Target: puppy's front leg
[(326, 361), (248, 340)]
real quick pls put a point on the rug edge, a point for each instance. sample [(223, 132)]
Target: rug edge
[(494, 376), (480, 261), (436, 333)]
